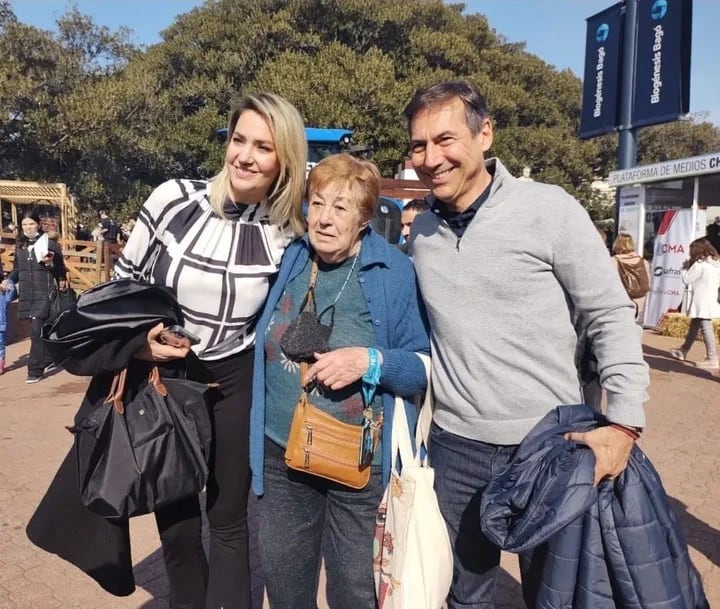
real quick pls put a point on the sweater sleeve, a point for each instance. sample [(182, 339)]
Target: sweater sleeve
[(403, 372), (604, 311)]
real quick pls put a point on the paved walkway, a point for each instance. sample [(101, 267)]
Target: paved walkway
[(683, 440)]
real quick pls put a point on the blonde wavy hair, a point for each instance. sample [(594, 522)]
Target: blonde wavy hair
[(623, 244), (288, 131)]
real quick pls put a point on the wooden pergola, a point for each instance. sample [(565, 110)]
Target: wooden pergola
[(18, 193)]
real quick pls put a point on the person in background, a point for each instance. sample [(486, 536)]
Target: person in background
[(410, 210), (82, 233), (38, 269), (511, 273), (624, 254), (126, 230), (218, 243), (109, 228), (7, 295), (702, 275), (368, 288), (98, 232), (11, 234)]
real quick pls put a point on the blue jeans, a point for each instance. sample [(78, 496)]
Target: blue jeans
[(304, 519), (463, 469)]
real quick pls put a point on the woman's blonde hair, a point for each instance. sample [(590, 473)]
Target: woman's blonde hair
[(363, 178), (624, 244), (288, 131)]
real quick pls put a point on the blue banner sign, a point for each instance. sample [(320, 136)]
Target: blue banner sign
[(662, 69), (601, 82)]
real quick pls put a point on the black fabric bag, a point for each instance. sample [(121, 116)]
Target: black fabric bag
[(108, 324), (306, 334), (61, 299), (137, 453)]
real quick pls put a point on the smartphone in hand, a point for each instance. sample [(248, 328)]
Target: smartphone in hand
[(177, 336)]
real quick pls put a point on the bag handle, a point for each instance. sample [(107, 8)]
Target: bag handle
[(309, 299), (117, 388), (401, 437), (422, 431), (401, 429)]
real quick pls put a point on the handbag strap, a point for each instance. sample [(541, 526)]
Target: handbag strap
[(401, 429), (401, 437), (422, 431), (309, 300), (302, 374), (117, 388)]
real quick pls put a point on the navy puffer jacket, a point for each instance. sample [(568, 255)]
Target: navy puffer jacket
[(618, 546)]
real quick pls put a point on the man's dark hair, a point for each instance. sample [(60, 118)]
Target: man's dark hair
[(476, 110), (418, 205)]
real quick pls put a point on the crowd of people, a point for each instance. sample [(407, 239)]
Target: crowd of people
[(495, 286)]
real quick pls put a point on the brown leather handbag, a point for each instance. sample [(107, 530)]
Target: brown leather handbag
[(321, 445)]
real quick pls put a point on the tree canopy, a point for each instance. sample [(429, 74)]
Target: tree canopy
[(83, 105)]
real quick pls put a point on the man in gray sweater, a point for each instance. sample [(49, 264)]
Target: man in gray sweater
[(511, 272)]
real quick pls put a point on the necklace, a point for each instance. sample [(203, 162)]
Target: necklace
[(344, 285)]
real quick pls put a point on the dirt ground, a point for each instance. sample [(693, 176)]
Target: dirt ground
[(682, 439)]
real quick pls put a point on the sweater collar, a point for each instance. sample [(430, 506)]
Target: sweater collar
[(502, 185)]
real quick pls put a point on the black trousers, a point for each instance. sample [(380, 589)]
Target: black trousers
[(38, 358), (225, 581)]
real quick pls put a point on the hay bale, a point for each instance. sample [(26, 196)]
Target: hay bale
[(676, 325)]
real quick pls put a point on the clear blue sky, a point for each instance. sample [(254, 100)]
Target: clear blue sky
[(553, 29)]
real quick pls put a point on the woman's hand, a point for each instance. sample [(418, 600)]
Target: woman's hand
[(155, 351), (339, 368)]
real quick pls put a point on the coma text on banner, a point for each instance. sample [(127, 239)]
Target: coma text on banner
[(672, 243), (662, 66), (603, 54)]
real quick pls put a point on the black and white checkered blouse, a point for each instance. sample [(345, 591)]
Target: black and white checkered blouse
[(219, 269)]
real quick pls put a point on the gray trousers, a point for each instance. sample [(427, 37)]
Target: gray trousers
[(696, 325)]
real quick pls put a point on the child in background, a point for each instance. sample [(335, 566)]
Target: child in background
[(8, 293), (702, 275)]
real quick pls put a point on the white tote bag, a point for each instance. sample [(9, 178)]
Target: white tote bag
[(413, 557)]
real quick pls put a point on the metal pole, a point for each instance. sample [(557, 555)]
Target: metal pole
[(627, 141)]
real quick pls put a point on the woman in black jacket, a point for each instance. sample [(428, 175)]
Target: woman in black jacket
[(37, 269)]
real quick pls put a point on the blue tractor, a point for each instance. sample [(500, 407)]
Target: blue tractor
[(323, 142)]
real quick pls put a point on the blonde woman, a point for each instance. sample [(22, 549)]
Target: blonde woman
[(217, 243), (624, 255)]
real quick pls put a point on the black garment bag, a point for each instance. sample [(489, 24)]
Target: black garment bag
[(108, 324)]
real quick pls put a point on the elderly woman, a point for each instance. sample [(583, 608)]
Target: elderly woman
[(365, 292)]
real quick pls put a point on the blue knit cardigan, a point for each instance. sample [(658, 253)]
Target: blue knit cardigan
[(387, 280)]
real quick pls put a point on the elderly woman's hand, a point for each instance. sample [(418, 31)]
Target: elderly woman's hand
[(155, 351), (339, 368)]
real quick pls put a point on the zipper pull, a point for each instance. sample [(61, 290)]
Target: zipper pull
[(457, 244)]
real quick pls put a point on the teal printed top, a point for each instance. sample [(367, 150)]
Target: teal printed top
[(352, 328)]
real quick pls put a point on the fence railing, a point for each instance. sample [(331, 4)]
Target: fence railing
[(88, 263)]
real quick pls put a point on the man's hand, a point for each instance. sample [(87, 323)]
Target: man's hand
[(611, 448), (339, 368), (155, 351)]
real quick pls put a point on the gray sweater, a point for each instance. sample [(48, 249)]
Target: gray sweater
[(506, 304)]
